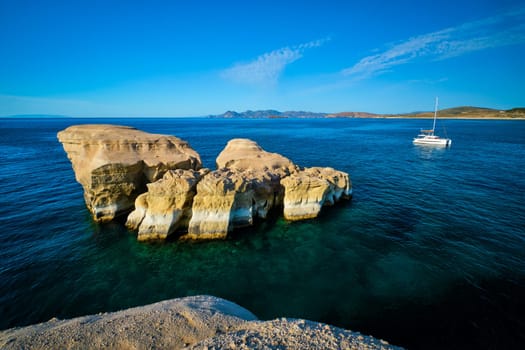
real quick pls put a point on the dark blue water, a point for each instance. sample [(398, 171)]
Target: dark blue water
[(430, 253)]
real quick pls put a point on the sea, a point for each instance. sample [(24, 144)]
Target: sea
[(428, 254)]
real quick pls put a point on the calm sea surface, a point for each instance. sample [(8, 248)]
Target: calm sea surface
[(430, 252)]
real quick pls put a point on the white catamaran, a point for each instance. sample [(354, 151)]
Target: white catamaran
[(427, 137)]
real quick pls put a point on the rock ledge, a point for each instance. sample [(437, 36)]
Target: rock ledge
[(198, 322), (114, 163)]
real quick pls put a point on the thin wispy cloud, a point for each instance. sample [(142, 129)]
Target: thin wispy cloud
[(497, 31), (266, 69)]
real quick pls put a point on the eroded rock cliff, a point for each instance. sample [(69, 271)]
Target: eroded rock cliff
[(114, 163), (223, 201), (246, 185), (166, 206), (308, 190), (122, 168), (247, 155)]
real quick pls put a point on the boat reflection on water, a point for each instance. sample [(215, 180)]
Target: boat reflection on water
[(429, 152)]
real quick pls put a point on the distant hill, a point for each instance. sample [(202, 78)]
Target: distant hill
[(32, 116), (469, 113), (270, 113), (450, 113), (353, 115)]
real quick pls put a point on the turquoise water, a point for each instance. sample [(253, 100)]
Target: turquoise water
[(428, 254)]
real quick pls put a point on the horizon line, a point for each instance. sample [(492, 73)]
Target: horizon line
[(61, 116)]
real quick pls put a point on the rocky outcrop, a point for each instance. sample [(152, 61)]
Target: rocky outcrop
[(308, 190), (122, 169), (252, 181), (166, 206), (263, 169), (171, 324), (114, 163), (223, 201), (292, 334), (247, 155), (198, 322), (246, 185)]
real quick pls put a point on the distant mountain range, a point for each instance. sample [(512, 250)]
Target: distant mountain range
[(450, 113), (270, 113)]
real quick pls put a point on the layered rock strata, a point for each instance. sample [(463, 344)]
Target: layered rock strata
[(245, 186), (198, 322), (114, 163), (120, 165), (245, 154), (223, 201), (308, 190), (166, 206)]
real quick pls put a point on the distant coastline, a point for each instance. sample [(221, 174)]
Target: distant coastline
[(450, 113), (37, 116)]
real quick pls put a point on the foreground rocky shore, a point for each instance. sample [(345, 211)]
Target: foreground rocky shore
[(158, 182), (198, 322)]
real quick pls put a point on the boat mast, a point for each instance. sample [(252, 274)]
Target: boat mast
[(435, 115)]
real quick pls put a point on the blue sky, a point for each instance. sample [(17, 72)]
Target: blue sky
[(194, 58)]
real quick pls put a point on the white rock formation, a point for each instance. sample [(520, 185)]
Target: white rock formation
[(198, 322), (308, 190), (114, 163), (246, 185), (223, 202), (245, 154), (166, 206)]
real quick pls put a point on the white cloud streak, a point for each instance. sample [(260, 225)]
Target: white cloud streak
[(497, 31), (266, 69)]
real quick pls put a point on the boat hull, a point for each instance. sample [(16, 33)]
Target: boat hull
[(432, 141)]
